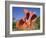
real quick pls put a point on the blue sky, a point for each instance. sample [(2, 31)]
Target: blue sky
[(17, 12)]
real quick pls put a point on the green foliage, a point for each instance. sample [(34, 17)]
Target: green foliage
[(37, 23), (14, 25)]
